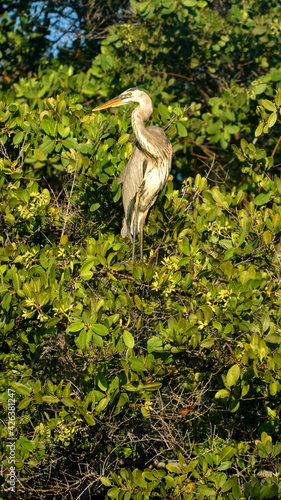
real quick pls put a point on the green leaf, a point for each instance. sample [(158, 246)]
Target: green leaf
[(21, 388), (225, 466), (222, 394), (103, 403), (76, 327), (113, 493), (89, 419), (70, 143), (276, 449), (269, 105), (145, 412), (6, 301), (98, 341), (229, 253), (105, 481), (273, 338), (102, 382), (232, 129), (228, 484), (39, 155), (154, 344), (172, 7), (204, 490), (207, 343), (260, 88), (24, 403), (37, 386), (173, 468), (123, 399), (244, 277), (266, 236), (227, 453), (99, 329), (218, 196), (48, 145), (67, 401), (191, 466), (123, 139), (128, 339), (85, 272), (63, 240), (50, 399), (181, 129), (163, 111), (153, 386), (262, 198), (273, 388), (81, 340), (94, 207), (49, 126), (63, 131), (18, 138), (233, 375), (137, 365), (272, 120), (234, 405), (259, 129)]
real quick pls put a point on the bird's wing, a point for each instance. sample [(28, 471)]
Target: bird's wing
[(133, 171), (145, 174), (131, 179)]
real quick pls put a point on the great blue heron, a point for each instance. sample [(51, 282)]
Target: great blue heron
[(148, 168)]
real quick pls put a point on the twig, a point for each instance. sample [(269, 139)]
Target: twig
[(276, 146), (68, 204)]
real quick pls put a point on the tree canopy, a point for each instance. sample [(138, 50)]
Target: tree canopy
[(160, 379)]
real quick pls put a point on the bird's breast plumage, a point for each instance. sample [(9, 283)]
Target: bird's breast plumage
[(155, 178)]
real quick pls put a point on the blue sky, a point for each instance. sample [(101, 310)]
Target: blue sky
[(59, 26)]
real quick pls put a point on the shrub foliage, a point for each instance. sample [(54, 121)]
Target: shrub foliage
[(160, 379)]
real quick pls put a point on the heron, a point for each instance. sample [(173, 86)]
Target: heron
[(148, 168)]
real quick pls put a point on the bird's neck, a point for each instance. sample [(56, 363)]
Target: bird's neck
[(139, 115)]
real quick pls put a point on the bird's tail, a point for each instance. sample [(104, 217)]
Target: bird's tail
[(125, 230), (128, 226)]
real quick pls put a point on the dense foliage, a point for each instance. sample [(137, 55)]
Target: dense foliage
[(160, 379)]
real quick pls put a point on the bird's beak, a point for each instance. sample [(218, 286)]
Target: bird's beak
[(116, 101)]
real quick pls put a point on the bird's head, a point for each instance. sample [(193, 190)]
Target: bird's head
[(130, 95)]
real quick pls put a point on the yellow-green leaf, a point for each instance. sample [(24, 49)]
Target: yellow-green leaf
[(259, 129), (269, 105), (272, 119), (128, 339), (233, 375), (64, 240), (21, 388), (181, 129), (99, 329), (39, 155), (50, 399), (105, 481), (262, 198), (266, 236), (89, 419), (222, 394), (24, 403), (76, 327)]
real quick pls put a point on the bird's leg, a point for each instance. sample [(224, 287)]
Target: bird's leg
[(142, 221), (135, 225)]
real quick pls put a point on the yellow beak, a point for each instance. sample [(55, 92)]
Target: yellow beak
[(116, 101)]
